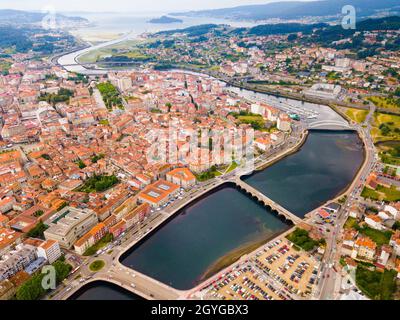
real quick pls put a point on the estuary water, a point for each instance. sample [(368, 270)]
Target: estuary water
[(325, 165), (204, 237)]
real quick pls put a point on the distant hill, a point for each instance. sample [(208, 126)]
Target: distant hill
[(284, 28), (387, 23), (165, 19), (193, 31), (295, 9), (18, 17), (22, 39)]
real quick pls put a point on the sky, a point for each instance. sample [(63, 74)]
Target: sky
[(125, 5)]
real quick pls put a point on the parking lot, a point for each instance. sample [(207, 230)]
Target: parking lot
[(296, 270), (277, 271), (245, 283)]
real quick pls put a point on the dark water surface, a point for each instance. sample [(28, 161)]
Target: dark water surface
[(101, 290), (184, 249), (325, 165)]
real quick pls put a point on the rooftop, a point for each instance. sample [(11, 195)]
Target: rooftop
[(158, 191)]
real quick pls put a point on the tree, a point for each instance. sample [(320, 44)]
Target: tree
[(32, 289), (38, 213), (37, 231), (62, 270), (81, 164)]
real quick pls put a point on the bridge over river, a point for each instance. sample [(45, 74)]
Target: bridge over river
[(329, 125), (282, 212)]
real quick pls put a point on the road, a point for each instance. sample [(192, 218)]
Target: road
[(329, 284)]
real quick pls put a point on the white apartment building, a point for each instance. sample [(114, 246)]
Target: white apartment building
[(50, 250)]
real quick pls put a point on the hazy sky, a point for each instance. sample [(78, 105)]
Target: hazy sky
[(126, 5)]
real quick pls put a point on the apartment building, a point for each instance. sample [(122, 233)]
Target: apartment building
[(158, 193), (50, 250), (90, 238), (17, 260), (69, 225), (182, 177)]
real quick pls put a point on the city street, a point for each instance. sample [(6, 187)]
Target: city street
[(329, 284)]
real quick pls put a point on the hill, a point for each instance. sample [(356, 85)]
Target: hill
[(294, 9), (18, 17), (324, 31), (165, 19)]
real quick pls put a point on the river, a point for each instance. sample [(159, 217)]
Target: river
[(101, 290), (325, 165), (203, 237)]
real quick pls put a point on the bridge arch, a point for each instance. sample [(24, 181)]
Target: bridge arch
[(278, 211), (329, 124)]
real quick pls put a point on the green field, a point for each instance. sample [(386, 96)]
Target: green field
[(96, 55), (4, 66), (380, 237), (376, 285), (104, 122), (301, 238), (255, 120), (385, 103), (382, 193), (98, 184), (350, 223), (232, 167), (389, 152), (136, 55), (209, 174), (110, 95), (356, 115), (385, 127)]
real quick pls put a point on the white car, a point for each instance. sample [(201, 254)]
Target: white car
[(133, 285)]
